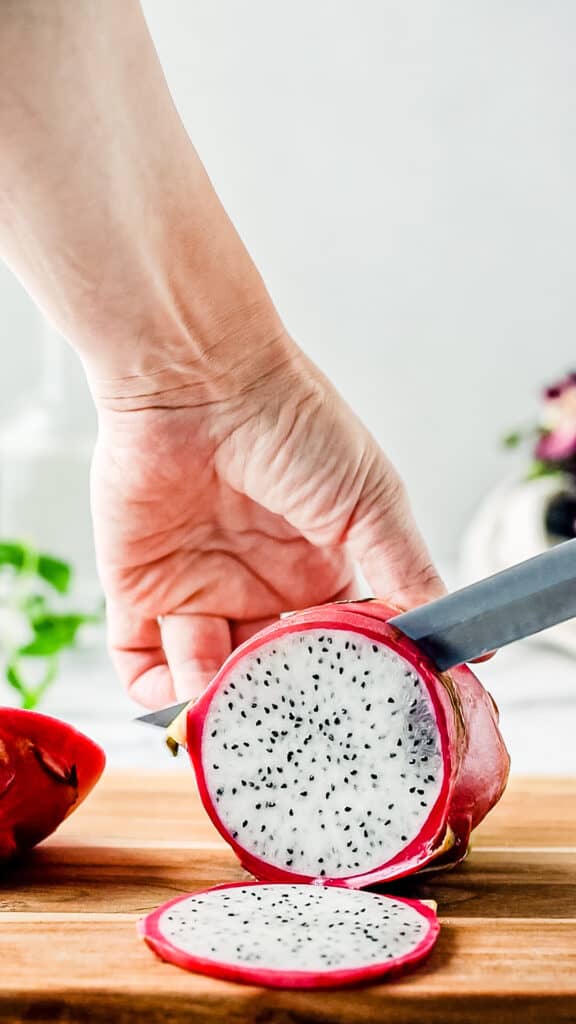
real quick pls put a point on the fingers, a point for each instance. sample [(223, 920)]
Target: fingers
[(387, 544), (136, 650), (241, 631), (195, 647), (162, 664)]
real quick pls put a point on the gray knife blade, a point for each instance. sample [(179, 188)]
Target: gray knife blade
[(165, 716), (511, 605)]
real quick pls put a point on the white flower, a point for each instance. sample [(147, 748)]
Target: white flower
[(560, 413), (15, 630)]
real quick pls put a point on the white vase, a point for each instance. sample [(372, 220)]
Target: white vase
[(510, 526)]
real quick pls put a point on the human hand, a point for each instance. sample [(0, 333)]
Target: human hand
[(216, 515), (230, 481)]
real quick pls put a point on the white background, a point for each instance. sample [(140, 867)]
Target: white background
[(403, 173)]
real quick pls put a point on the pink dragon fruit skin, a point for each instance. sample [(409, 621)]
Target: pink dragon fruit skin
[(458, 718)]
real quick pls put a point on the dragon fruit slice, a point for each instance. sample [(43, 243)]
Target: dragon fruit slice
[(46, 770), (291, 936), (329, 748)]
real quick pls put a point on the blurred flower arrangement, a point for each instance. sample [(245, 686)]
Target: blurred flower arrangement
[(35, 626), (534, 508), (554, 453)]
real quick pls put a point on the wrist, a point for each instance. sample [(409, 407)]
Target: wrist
[(193, 321), (192, 370)]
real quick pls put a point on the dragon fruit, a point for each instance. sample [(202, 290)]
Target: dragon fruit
[(46, 770), (329, 748), (291, 935)]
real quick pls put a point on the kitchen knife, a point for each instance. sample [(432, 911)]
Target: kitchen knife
[(513, 604)]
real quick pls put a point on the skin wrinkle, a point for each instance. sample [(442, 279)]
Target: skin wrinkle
[(132, 578), (186, 387)]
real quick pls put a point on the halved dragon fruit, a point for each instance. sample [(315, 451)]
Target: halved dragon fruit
[(291, 936), (329, 748), (46, 769)]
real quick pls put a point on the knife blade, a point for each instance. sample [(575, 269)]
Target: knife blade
[(165, 716), (485, 616), (511, 605)]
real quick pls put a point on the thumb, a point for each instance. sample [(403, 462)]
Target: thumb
[(385, 541)]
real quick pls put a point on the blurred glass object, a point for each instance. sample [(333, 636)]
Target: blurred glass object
[(45, 452)]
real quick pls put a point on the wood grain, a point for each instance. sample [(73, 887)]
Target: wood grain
[(75, 962), (68, 911), (108, 879), (535, 812)]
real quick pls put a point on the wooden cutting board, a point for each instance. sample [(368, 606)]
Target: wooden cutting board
[(69, 951)]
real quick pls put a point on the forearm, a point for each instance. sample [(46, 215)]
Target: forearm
[(106, 213)]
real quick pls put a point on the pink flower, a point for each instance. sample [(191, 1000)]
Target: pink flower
[(558, 422), (556, 446)]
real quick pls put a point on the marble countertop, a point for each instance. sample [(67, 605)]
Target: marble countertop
[(533, 685)]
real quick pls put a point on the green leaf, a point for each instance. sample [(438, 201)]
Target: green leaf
[(54, 632), (539, 469), (56, 572), (30, 697), (11, 553), (25, 559), (13, 678), (513, 439)]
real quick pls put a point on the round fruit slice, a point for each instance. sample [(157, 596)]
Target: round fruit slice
[(329, 748), (291, 936)]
